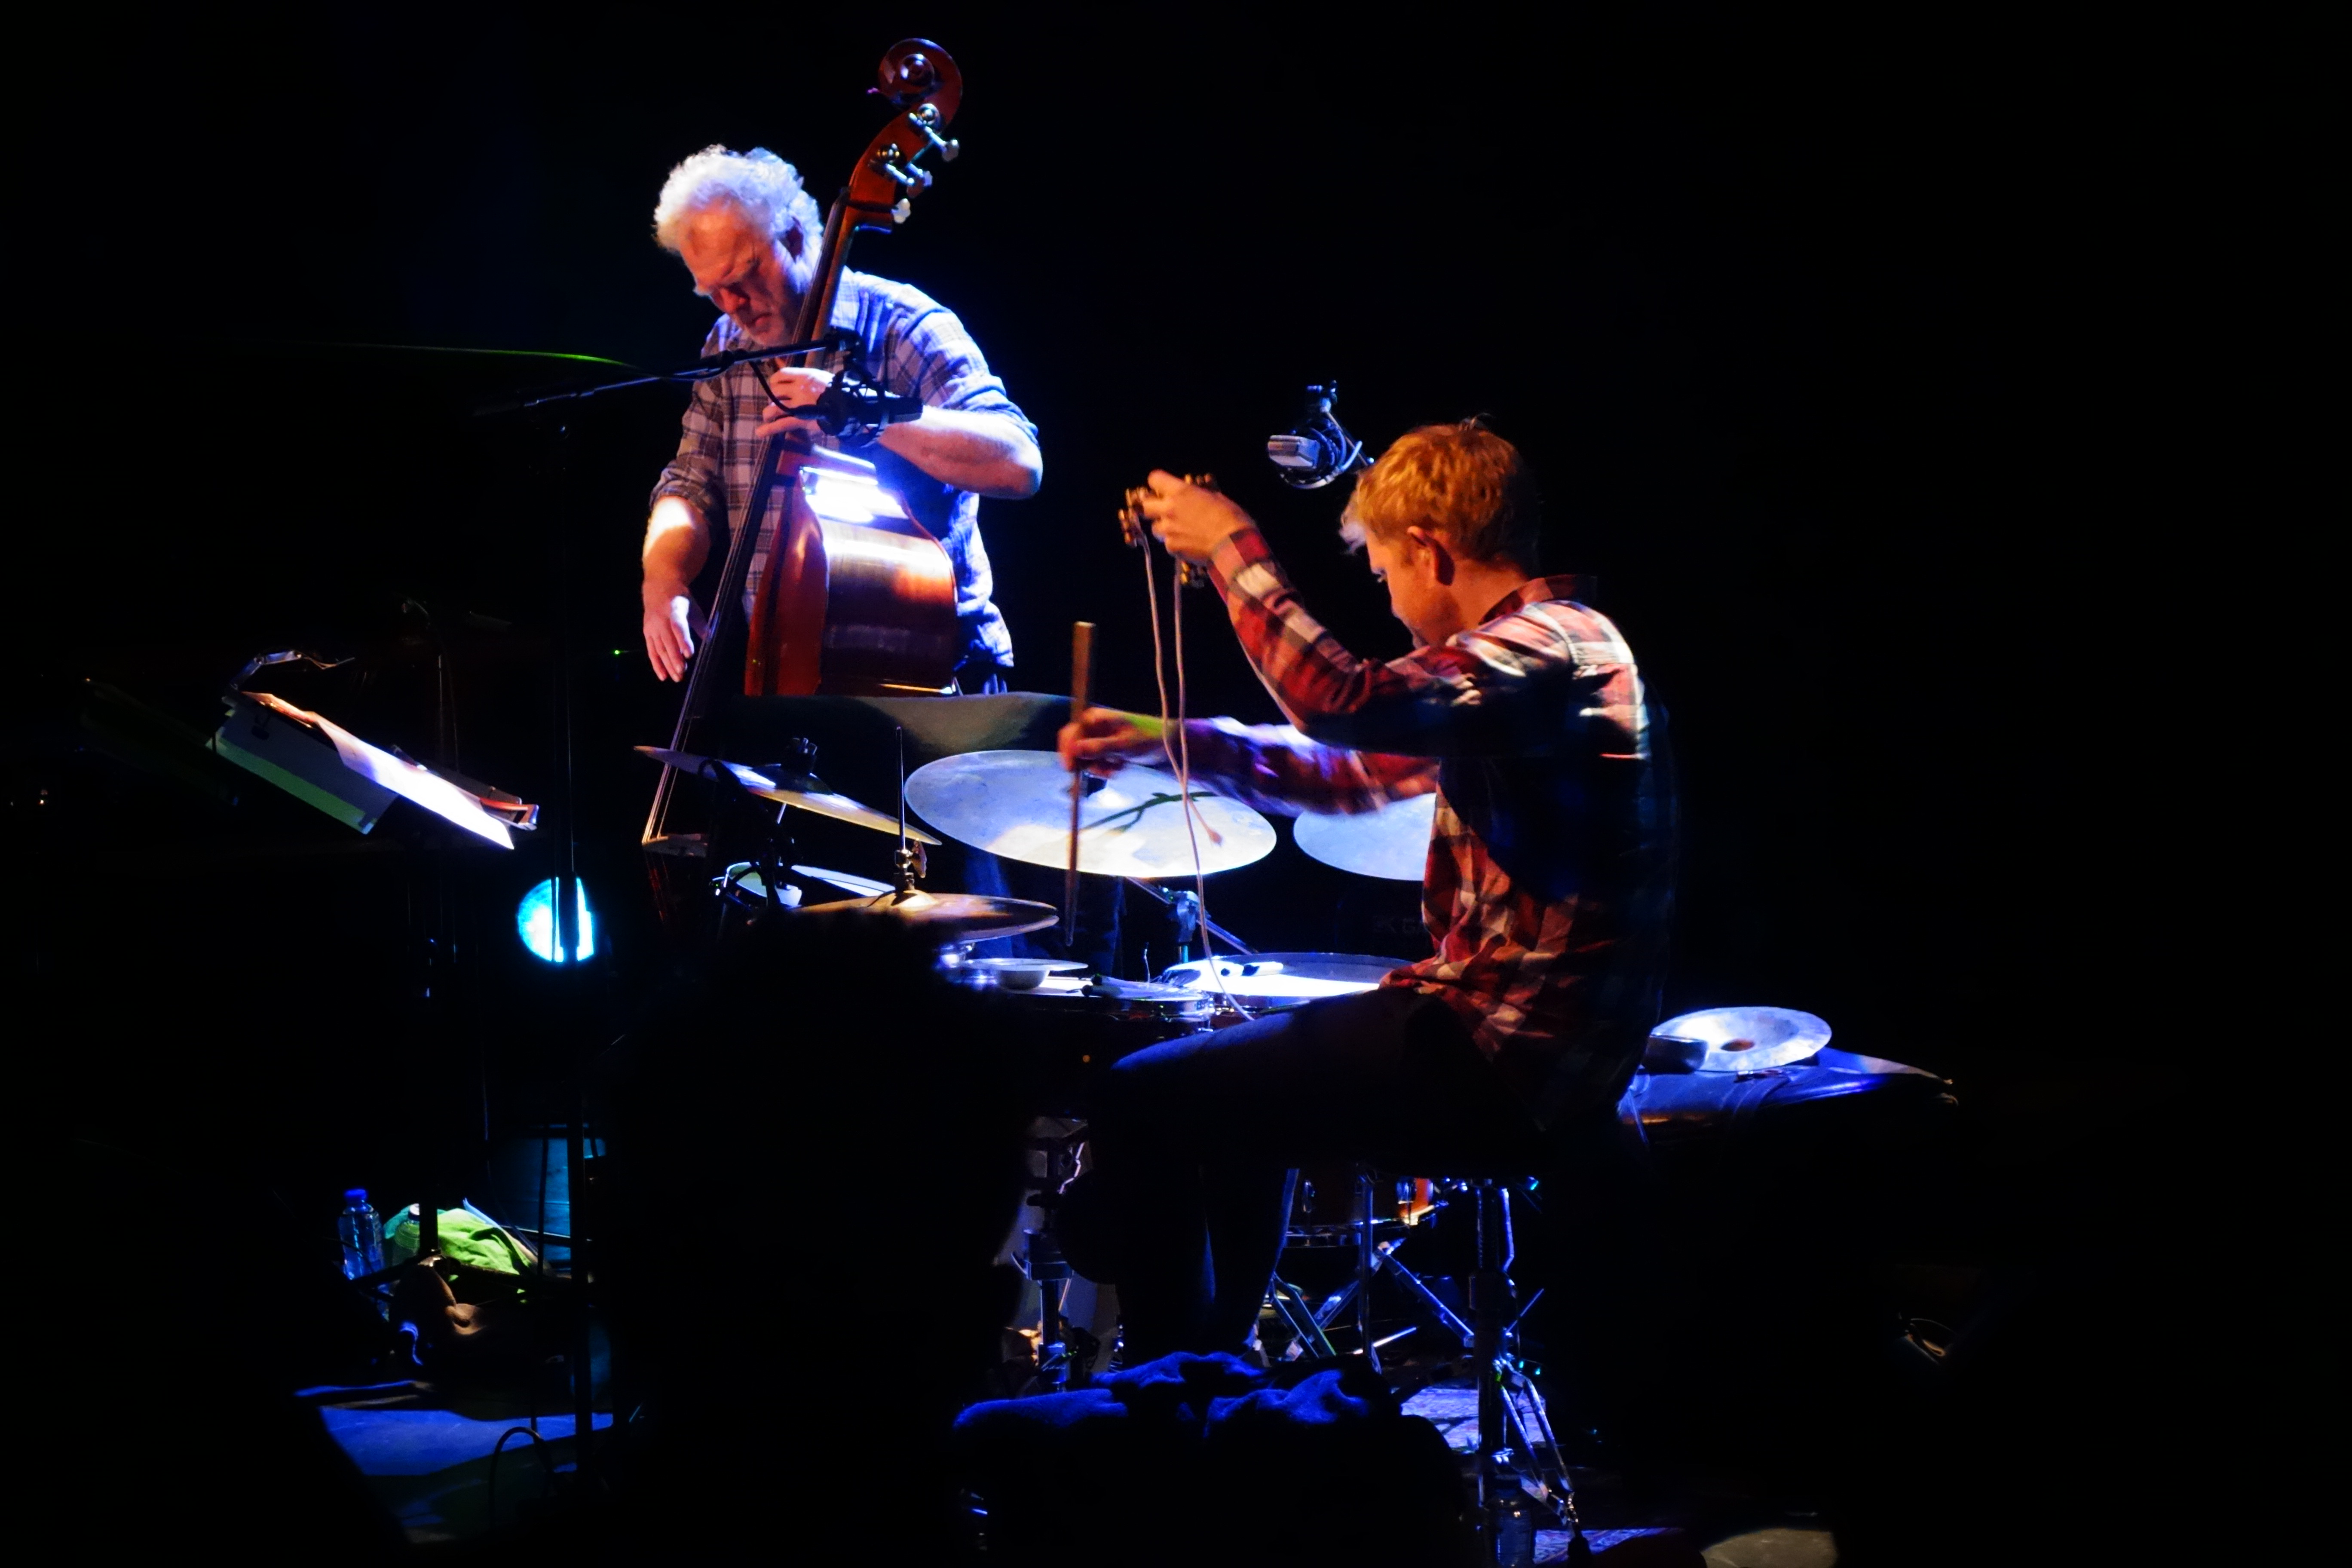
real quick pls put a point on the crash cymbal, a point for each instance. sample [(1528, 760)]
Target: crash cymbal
[(1391, 843), (806, 791), (1017, 804), (948, 918), (1737, 1039)]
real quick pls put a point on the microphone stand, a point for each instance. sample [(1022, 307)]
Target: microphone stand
[(700, 370)]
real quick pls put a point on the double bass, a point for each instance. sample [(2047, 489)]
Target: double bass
[(859, 598)]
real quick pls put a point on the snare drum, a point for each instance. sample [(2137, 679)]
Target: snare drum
[(1263, 982)]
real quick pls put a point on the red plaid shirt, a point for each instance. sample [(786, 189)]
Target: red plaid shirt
[(1545, 894)]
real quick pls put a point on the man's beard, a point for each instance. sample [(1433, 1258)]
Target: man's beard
[(779, 330)]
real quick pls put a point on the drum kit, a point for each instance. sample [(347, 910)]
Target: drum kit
[(1132, 824), (1018, 804)]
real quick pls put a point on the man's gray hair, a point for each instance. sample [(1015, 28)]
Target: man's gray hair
[(762, 186)]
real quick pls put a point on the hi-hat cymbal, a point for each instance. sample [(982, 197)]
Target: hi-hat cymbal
[(1017, 804), (948, 918), (1391, 843), (1737, 1039), (806, 791)]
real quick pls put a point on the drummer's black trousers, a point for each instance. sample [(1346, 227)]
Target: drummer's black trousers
[(1196, 1139)]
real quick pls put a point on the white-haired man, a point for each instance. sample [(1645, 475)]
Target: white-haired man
[(750, 235)]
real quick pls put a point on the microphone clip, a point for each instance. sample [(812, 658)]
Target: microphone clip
[(855, 410)]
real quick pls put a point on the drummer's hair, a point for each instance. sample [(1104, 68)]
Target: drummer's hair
[(762, 186), (1462, 480)]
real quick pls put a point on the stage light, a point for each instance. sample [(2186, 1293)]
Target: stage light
[(535, 923)]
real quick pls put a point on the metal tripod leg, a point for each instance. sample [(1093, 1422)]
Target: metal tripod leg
[(1308, 1337)]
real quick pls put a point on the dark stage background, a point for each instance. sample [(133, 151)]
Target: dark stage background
[(1831, 347)]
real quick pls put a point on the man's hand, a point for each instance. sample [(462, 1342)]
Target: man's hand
[(671, 625), (788, 389), (1102, 738), (1191, 519)]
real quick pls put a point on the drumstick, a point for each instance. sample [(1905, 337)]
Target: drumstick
[(1082, 658)]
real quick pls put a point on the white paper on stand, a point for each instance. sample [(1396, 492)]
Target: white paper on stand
[(411, 781)]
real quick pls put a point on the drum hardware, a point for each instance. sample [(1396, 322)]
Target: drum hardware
[(1191, 911), (948, 918), (1062, 1359), (1519, 1461)]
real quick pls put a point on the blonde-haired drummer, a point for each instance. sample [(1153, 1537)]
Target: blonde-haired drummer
[(1543, 896)]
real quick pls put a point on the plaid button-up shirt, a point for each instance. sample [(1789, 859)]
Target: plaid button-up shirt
[(1545, 893), (915, 347)]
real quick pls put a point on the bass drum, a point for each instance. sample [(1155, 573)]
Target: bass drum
[(1262, 982)]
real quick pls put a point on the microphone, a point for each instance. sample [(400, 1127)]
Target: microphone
[(848, 406), (1319, 450)]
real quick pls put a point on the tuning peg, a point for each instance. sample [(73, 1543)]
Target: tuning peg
[(926, 119), (911, 178)]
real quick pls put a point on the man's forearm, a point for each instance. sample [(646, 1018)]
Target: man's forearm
[(987, 454), (1275, 768), (678, 540)]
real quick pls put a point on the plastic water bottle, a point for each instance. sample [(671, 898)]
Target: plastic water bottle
[(361, 1230)]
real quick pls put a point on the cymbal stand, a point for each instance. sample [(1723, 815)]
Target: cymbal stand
[(1064, 1351), (767, 851), (1166, 897)]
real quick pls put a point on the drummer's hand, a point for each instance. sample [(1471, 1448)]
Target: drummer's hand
[(1104, 738), (1191, 519), (671, 625), (788, 389)]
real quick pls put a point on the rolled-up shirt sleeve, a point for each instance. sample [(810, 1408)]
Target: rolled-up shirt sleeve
[(1517, 685), (1274, 768), (926, 353)]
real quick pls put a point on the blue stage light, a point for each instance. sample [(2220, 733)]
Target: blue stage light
[(535, 922)]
